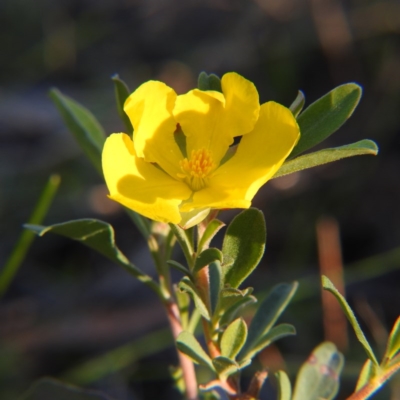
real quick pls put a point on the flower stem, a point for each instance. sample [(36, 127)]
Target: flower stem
[(188, 371)]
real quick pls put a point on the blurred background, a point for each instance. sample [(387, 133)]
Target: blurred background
[(73, 315)]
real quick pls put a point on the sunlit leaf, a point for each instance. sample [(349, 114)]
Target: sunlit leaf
[(326, 115), (318, 377), (233, 338), (284, 386), (188, 344), (393, 345), (298, 104), (328, 285), (325, 156), (211, 230), (207, 257), (225, 366)]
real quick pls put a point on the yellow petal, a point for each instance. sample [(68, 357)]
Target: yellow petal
[(139, 185), (150, 110), (259, 155), (211, 121)]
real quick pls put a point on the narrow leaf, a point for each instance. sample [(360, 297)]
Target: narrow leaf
[(122, 92), (298, 104), (326, 115), (83, 125), (24, 242), (207, 257), (367, 373), (184, 241), (225, 366), (268, 312), (188, 344), (243, 246), (284, 386), (178, 266), (187, 286), (276, 333), (393, 345), (216, 283), (318, 377), (211, 230), (363, 147), (97, 235), (234, 309), (328, 285), (233, 338), (49, 389)]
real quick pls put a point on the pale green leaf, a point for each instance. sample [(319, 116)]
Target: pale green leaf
[(368, 371), (188, 344), (298, 104), (225, 366), (233, 338), (318, 377), (328, 285), (325, 156), (393, 345), (326, 115), (243, 246), (284, 386)]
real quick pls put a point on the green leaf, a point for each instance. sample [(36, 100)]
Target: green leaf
[(122, 92), (267, 314), (187, 286), (231, 312), (24, 242), (51, 389), (99, 236), (209, 82), (243, 246), (277, 332), (211, 230), (318, 377), (393, 345), (216, 283), (326, 156), (207, 257), (326, 115), (328, 285), (368, 371), (184, 241), (298, 104), (178, 266), (183, 301), (284, 386), (225, 366), (188, 344), (233, 338), (83, 125)]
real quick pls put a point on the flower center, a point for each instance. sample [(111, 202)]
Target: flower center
[(197, 168)]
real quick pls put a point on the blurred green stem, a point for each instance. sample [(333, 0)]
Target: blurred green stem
[(22, 246)]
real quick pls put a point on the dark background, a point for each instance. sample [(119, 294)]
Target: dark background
[(67, 305)]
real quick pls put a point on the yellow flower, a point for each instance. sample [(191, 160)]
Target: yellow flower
[(181, 162)]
